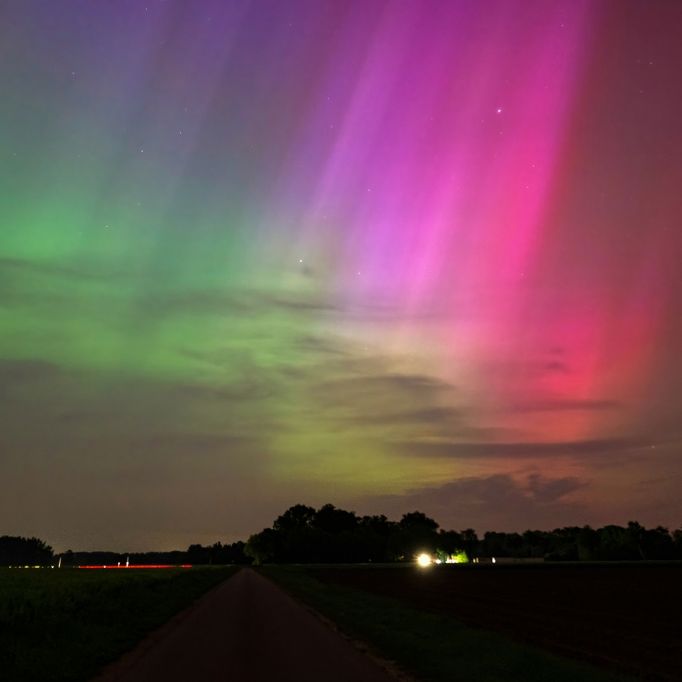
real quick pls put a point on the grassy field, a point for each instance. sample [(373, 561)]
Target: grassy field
[(428, 645), (65, 624)]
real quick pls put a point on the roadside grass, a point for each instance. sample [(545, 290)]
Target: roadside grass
[(63, 625), (429, 646)]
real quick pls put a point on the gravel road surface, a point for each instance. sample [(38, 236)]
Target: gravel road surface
[(246, 630)]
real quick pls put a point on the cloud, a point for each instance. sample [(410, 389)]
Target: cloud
[(322, 346), (31, 375), (424, 416), (67, 270), (163, 303), (475, 450), (26, 371), (241, 302), (255, 387), (447, 422), (371, 396), (53, 285), (557, 367), (549, 490), (293, 303), (565, 406), (413, 386), (497, 502)]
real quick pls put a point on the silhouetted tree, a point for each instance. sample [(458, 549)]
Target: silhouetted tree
[(536, 543), (587, 544), (196, 554), (20, 551), (657, 543), (373, 535), (298, 517), (470, 542), (329, 519), (264, 547), (616, 542), (415, 533), (677, 543), (450, 541), (564, 544)]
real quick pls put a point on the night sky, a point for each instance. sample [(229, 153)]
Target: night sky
[(390, 255)]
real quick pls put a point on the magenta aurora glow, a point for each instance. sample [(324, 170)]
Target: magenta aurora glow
[(386, 254)]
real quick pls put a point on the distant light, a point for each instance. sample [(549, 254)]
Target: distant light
[(424, 559), (493, 559), (91, 567), (457, 557), (438, 561)]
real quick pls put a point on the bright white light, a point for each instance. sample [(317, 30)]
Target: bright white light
[(424, 560), (493, 559)]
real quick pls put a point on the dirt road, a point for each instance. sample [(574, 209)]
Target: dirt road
[(246, 630)]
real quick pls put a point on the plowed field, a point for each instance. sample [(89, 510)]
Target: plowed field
[(627, 616)]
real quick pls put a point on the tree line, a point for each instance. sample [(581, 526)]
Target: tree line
[(303, 534), (20, 551)]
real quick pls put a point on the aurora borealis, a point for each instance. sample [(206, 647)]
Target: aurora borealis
[(388, 254)]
